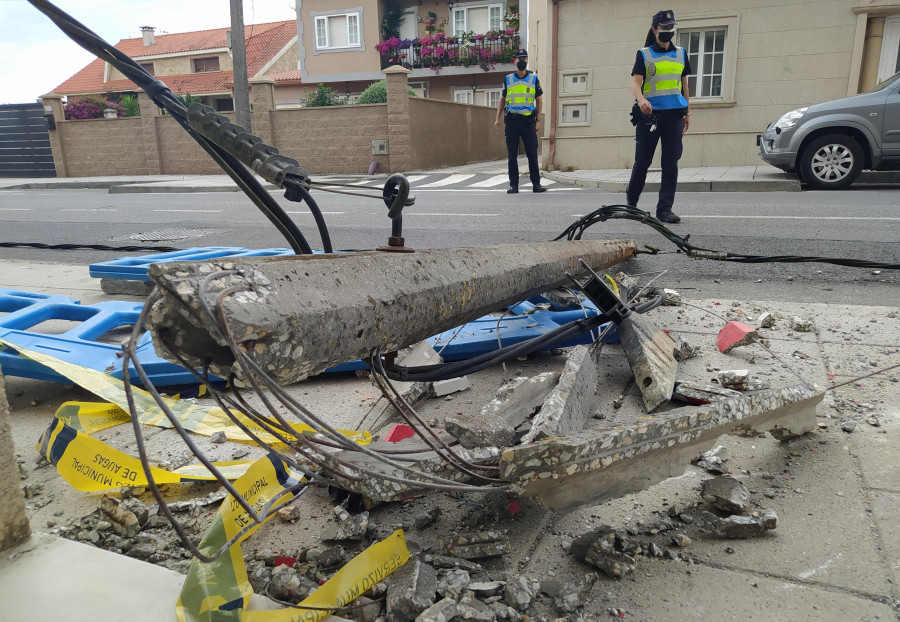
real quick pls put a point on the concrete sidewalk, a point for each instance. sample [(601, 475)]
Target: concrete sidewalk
[(761, 178), (835, 554)]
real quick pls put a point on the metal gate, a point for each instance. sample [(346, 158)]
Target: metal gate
[(24, 142)]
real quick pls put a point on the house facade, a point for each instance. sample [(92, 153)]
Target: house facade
[(199, 62), (753, 61), (456, 51)]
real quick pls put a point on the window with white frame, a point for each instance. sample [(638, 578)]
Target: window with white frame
[(477, 18), (340, 30), (492, 97), (463, 96), (710, 44), (706, 51)]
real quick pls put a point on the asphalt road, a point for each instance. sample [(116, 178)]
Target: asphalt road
[(859, 223)]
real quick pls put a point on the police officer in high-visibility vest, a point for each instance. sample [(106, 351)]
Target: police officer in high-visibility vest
[(521, 105), (661, 112)]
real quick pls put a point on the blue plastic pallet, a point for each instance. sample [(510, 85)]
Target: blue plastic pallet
[(79, 345), (135, 268), (525, 321)]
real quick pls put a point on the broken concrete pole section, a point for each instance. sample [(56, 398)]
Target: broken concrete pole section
[(303, 314), (566, 408), (598, 465), (651, 354)]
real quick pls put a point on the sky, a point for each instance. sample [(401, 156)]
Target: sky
[(35, 56)]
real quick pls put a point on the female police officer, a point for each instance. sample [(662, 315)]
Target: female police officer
[(662, 96)]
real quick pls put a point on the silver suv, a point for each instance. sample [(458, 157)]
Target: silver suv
[(828, 145)]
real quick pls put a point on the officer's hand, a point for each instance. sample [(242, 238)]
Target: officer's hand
[(497, 123), (687, 123), (645, 106)]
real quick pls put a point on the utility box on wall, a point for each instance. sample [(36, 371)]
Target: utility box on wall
[(380, 147)]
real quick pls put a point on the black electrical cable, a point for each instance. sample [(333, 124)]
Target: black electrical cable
[(612, 212), (92, 247), (163, 97), (297, 190)]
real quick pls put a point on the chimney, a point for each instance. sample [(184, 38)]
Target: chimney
[(148, 33)]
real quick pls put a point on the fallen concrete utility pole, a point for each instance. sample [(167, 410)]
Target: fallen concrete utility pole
[(304, 314), (594, 466)]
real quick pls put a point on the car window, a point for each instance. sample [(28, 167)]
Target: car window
[(886, 84)]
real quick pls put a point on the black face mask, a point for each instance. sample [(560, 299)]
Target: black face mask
[(521, 65), (666, 35)]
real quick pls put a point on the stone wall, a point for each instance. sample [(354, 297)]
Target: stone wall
[(14, 527), (420, 134)]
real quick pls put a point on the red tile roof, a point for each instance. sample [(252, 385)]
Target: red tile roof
[(263, 42)]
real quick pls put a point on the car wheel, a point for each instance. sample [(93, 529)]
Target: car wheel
[(831, 162)]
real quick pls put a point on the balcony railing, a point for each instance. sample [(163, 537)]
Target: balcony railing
[(440, 50)]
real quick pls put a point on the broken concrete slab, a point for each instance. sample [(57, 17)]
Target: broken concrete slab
[(692, 393), (651, 354), (480, 431), (520, 398), (373, 478), (440, 388), (347, 527), (14, 526), (567, 407), (726, 494), (520, 591), (411, 591), (756, 525), (303, 314), (598, 465), (476, 545)]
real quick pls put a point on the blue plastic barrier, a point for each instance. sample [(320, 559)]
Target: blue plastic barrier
[(81, 344), (135, 268)]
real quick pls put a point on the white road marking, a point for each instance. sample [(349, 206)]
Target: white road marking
[(378, 182), (190, 211), (444, 214), (323, 213), (90, 209), (15, 209), (446, 181), (496, 180)]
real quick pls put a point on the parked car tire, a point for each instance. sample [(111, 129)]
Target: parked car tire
[(831, 162)]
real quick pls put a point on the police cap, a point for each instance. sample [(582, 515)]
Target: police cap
[(522, 53), (664, 18)]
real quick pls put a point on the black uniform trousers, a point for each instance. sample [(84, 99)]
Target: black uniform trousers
[(668, 128), (520, 126)]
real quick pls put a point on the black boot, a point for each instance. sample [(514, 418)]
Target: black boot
[(513, 190), (668, 216)]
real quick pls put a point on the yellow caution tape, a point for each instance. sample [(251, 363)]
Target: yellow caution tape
[(91, 465), (199, 418), (220, 591)]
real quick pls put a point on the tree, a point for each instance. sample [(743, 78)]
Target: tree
[(324, 96), (376, 93)]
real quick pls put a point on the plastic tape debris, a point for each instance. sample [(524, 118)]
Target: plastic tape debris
[(220, 590), (199, 418), (205, 420), (91, 465)]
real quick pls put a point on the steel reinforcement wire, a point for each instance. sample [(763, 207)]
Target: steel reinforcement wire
[(626, 212)]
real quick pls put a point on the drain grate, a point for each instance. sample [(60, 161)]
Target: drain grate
[(169, 235)]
